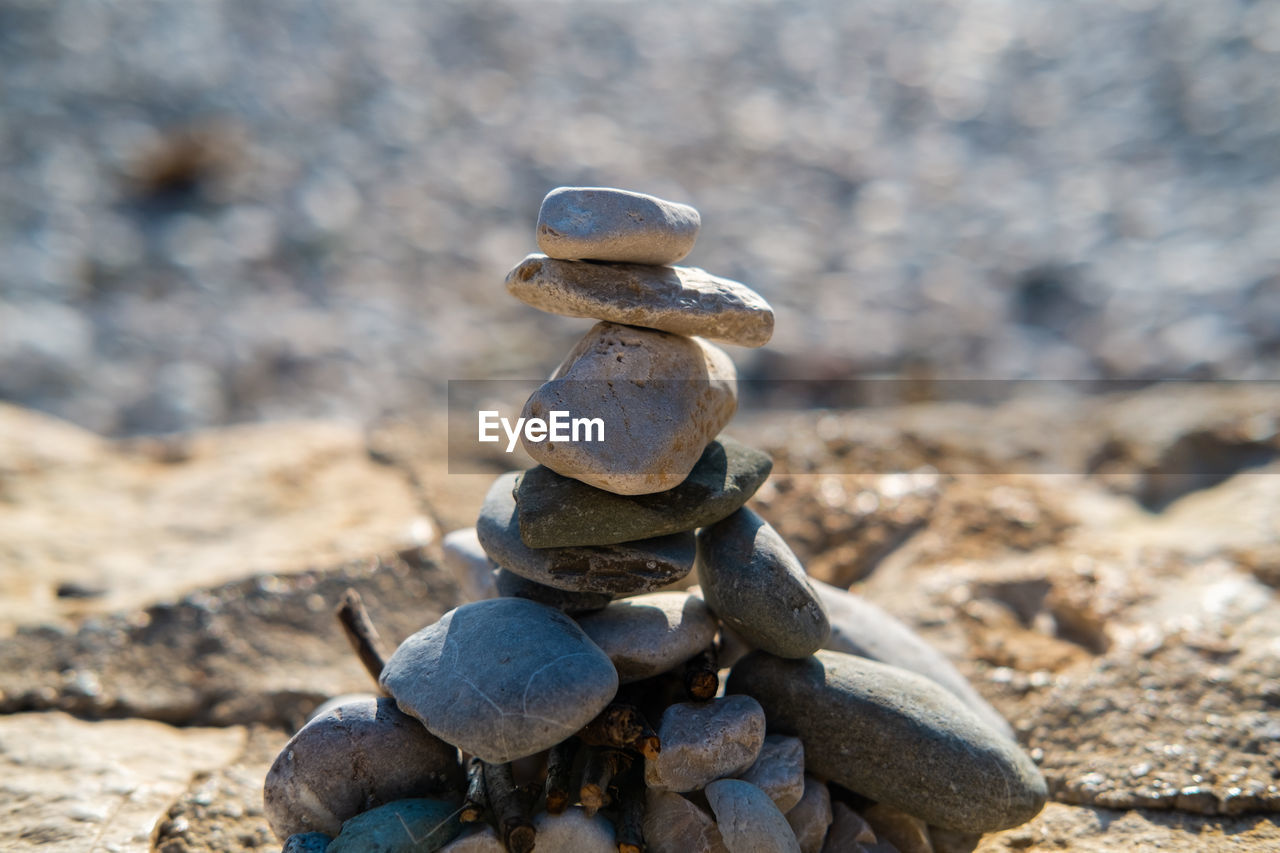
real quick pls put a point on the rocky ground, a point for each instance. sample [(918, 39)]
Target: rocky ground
[(167, 605)]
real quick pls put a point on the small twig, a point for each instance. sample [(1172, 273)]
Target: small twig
[(477, 801), (631, 801), (507, 803), (622, 726), (361, 634), (602, 765), (702, 675), (559, 772)]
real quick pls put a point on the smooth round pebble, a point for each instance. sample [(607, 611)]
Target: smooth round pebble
[(779, 771), (405, 826), (748, 820), (895, 737), (649, 634), (704, 741), (468, 564), (755, 583), (574, 831), (849, 831), (307, 842), (605, 224), (360, 754), (475, 838), (512, 585), (662, 398), (558, 512), (811, 817), (502, 678), (627, 567), (672, 824)]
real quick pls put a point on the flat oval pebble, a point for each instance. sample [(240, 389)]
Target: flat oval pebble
[(468, 564), (363, 753), (649, 634), (896, 737), (627, 567), (406, 826), (307, 842), (502, 678), (811, 817), (672, 824), (753, 581), (682, 300), (512, 585), (558, 511), (748, 820), (603, 224), (779, 771), (574, 831), (704, 741), (860, 627), (661, 399)]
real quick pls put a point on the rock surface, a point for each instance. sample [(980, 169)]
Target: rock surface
[(779, 771), (405, 826), (468, 564), (649, 634), (849, 831), (908, 834), (895, 737), (602, 224), (681, 300), (752, 580), (512, 585), (811, 816), (557, 511), (662, 399), (672, 824), (704, 741), (505, 694), (475, 838), (307, 842), (574, 830), (748, 820), (628, 567)]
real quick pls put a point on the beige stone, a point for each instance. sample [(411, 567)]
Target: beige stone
[(672, 824), (811, 817), (909, 834), (605, 224), (705, 741), (683, 300), (748, 820)]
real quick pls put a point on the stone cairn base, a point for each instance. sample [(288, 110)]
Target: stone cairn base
[(577, 704)]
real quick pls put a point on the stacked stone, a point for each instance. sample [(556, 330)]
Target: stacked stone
[(583, 687)]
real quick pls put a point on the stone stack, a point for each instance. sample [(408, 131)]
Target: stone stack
[(585, 689)]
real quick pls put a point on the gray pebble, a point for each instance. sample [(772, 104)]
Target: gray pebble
[(574, 831), (859, 627), (704, 741), (557, 511), (307, 842), (360, 754), (779, 771), (602, 224), (748, 820), (662, 398), (896, 737), (647, 635), (626, 567), (512, 585), (406, 826), (502, 678), (468, 564), (810, 818), (849, 832), (672, 824), (753, 581), (683, 300), (907, 833), (475, 838)]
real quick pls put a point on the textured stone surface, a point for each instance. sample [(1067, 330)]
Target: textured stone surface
[(605, 224), (908, 834), (753, 581), (573, 830), (501, 694), (475, 838), (682, 300), (513, 585), (623, 568), (307, 842), (662, 399), (748, 820), (672, 824), (405, 826), (779, 771), (1096, 830), (557, 511), (859, 627), (361, 754), (849, 831), (703, 741), (468, 564), (811, 816), (649, 634), (895, 737)]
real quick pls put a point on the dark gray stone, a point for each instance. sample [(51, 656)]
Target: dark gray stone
[(896, 737), (360, 754), (619, 569), (649, 634), (752, 580), (406, 826), (748, 820), (859, 627), (558, 512), (513, 585), (502, 678), (307, 842)]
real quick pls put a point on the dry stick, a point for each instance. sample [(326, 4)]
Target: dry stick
[(631, 812), (622, 727), (559, 770), (507, 803), (361, 633), (477, 802), (702, 675), (602, 765)]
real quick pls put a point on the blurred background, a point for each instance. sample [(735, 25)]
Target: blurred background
[(215, 211)]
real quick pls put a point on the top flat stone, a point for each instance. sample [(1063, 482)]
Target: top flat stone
[(601, 224), (682, 300)]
